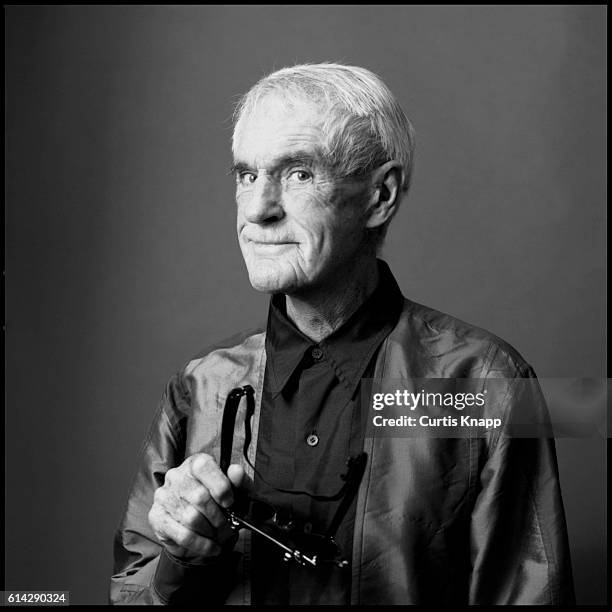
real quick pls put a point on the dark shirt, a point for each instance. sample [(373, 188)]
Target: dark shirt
[(310, 425)]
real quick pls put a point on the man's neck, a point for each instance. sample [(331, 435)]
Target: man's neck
[(321, 312)]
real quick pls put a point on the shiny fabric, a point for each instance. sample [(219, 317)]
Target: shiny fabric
[(437, 520)]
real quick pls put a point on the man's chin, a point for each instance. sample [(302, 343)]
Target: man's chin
[(269, 283)]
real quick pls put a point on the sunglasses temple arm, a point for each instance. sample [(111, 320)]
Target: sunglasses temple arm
[(228, 422), (353, 480)]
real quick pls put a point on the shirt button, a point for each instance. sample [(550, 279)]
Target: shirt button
[(316, 353), (312, 439)]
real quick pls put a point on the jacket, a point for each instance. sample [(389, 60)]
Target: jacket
[(469, 520)]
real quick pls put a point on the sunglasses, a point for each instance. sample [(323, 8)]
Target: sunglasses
[(294, 538)]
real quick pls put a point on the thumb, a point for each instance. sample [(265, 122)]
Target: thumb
[(238, 477), (236, 474)]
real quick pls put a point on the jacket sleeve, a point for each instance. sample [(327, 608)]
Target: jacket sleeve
[(144, 573), (519, 543)]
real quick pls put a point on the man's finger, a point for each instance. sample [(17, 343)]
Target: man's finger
[(236, 474), (239, 478), (199, 497), (193, 519), (205, 469), (175, 536)]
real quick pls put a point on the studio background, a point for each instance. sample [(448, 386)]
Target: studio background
[(121, 256)]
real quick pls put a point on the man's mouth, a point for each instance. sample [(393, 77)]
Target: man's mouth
[(271, 243)]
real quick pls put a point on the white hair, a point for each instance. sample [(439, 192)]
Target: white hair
[(364, 124)]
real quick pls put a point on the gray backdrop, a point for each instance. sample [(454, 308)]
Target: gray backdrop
[(121, 259)]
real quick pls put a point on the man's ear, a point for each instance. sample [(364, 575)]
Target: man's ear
[(386, 181)]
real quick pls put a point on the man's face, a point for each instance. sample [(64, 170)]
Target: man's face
[(299, 227)]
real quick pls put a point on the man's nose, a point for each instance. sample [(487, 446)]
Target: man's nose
[(264, 204)]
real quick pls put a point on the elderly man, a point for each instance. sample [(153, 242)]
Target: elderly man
[(322, 158)]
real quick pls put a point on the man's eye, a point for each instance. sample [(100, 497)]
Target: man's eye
[(246, 178), (300, 176)]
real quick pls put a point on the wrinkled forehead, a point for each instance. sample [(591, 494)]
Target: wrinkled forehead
[(277, 126), (279, 102)]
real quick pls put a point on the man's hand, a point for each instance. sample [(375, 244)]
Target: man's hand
[(186, 514)]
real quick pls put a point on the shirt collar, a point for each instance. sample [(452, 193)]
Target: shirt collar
[(348, 350)]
